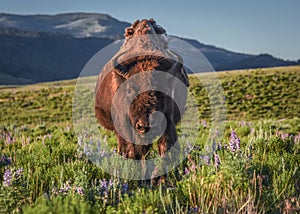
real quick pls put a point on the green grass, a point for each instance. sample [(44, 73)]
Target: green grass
[(256, 94), (262, 176)]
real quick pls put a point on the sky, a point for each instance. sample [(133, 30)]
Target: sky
[(253, 27)]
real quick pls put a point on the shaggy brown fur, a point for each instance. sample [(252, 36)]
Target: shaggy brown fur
[(140, 53)]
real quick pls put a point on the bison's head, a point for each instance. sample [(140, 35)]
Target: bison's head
[(146, 95), (148, 72), (146, 102)]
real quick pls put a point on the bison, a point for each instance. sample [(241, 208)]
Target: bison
[(138, 108)]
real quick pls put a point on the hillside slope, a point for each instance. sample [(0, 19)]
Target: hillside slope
[(250, 95)]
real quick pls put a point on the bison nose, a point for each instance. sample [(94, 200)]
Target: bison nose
[(141, 127)]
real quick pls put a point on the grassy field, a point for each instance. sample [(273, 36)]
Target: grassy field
[(254, 170)]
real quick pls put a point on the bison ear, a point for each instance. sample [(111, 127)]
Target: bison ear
[(180, 73)]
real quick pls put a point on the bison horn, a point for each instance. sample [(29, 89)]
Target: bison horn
[(182, 73), (179, 58), (119, 68)]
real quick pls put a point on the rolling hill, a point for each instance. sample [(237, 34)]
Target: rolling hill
[(250, 95)]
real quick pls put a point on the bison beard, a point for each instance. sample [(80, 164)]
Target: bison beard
[(129, 61)]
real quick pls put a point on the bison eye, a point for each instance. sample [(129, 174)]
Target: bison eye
[(129, 91)]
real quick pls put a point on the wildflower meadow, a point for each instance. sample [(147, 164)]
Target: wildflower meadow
[(254, 168)]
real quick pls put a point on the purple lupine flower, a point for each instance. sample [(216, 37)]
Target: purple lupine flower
[(219, 146), (7, 178), (193, 167), (79, 191), (4, 160), (54, 191), (297, 138), (194, 210), (186, 171), (91, 141), (234, 143), (203, 123), (243, 123), (104, 184), (99, 146), (125, 187), (238, 143), (19, 172), (9, 139), (65, 188), (85, 134), (68, 187), (79, 141), (206, 158), (284, 136), (189, 147), (46, 195), (87, 150), (111, 183), (217, 160), (102, 153)]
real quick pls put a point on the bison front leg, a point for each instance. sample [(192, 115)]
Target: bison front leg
[(165, 143), (125, 148), (133, 151)]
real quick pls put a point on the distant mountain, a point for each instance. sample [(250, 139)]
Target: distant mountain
[(222, 59), (30, 57), (79, 25), (37, 48), (261, 61)]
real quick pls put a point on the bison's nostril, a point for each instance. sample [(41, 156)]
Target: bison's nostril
[(141, 128)]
